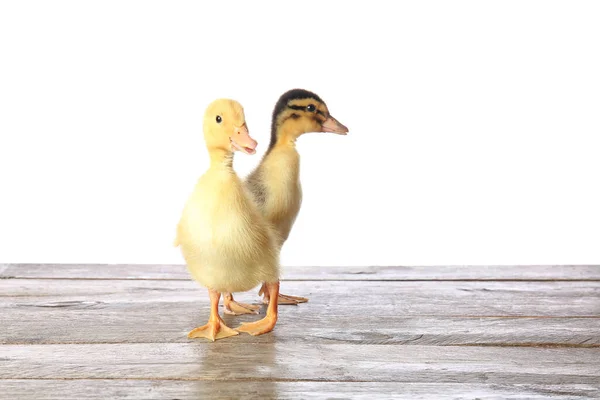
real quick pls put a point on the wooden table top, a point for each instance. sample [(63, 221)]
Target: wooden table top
[(441, 332)]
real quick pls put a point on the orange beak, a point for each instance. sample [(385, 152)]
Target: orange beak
[(333, 125), (242, 141)]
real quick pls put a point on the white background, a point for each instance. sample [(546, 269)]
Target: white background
[(473, 126)]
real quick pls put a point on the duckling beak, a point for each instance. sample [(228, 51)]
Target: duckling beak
[(242, 141), (333, 125)]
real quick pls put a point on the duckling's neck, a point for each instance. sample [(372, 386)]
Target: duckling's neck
[(283, 154), (284, 138), (221, 158)]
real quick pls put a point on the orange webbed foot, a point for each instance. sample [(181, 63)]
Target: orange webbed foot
[(287, 300), (213, 330), (260, 327), (281, 298), (268, 322), (233, 307), (236, 308)]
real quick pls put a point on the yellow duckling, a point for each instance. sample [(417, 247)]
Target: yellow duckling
[(226, 242), (275, 183)]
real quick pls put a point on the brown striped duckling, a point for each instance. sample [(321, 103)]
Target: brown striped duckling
[(275, 183)]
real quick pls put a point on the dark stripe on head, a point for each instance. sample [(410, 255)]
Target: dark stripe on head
[(282, 104)]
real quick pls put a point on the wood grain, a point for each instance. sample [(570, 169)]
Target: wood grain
[(229, 360), (179, 272), (194, 390), (171, 324), (126, 314), (437, 313), (392, 298)]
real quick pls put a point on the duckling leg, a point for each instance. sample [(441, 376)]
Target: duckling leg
[(216, 328), (282, 298), (268, 322), (233, 307)]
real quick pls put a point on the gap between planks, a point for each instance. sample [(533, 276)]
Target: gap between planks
[(317, 280), (557, 273), (184, 390), (525, 345)]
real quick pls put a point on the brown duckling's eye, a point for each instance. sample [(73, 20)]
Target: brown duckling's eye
[(219, 119), (311, 108)]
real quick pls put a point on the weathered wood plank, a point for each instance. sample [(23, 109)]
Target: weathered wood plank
[(170, 322), (473, 299), (440, 313), (461, 272), (228, 360), (193, 390)]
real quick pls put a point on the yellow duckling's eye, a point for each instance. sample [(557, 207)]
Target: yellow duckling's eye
[(311, 108), (219, 119)]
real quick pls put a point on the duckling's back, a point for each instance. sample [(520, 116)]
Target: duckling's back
[(275, 187), (227, 244)]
